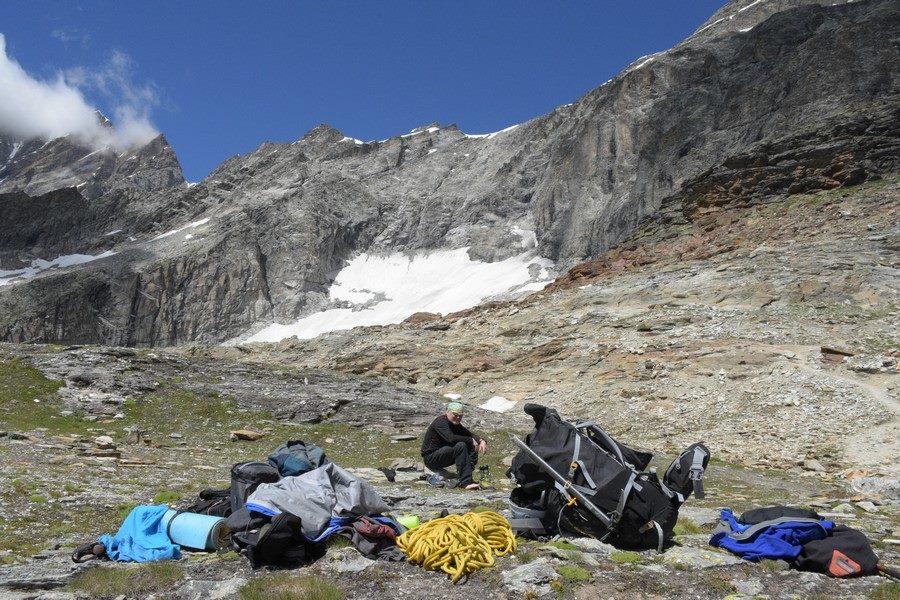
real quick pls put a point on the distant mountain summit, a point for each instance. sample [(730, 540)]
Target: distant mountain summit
[(806, 95), (36, 166)]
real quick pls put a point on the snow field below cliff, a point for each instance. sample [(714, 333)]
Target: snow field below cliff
[(380, 290), (38, 265)]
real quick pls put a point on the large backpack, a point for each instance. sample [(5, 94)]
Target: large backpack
[(296, 457), (620, 503), (245, 478), (279, 542)]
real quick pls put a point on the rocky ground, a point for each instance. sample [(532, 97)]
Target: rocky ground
[(768, 331)]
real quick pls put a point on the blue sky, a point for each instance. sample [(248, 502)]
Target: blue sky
[(219, 78)]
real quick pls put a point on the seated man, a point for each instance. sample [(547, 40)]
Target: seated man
[(447, 442)]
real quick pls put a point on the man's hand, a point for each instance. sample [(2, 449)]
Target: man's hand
[(482, 447)]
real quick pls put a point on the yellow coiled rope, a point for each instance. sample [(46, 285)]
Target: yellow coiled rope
[(458, 544)]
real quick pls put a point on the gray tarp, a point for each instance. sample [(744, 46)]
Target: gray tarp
[(318, 496)]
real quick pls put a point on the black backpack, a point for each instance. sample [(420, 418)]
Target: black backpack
[(211, 502), (624, 505), (845, 553), (279, 542), (246, 477)]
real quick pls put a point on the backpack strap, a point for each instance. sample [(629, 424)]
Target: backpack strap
[(605, 437), (169, 524), (672, 494), (696, 473), (574, 464), (623, 498), (754, 529), (659, 534), (578, 463)]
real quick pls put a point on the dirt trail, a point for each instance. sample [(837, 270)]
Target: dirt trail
[(875, 447)]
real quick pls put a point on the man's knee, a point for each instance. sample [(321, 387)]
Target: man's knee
[(460, 448)]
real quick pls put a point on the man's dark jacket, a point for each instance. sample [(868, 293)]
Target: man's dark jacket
[(442, 433)]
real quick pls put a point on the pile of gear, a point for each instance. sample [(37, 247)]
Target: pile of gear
[(571, 478), (276, 513), (574, 477), (281, 513), (800, 537)]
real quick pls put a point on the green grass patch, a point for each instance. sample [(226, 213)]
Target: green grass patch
[(166, 497), (563, 545), (285, 586), (37, 499), (570, 577), (176, 410), (48, 524), (20, 386), (134, 582), (573, 574), (224, 556), (625, 557), (885, 591), (718, 583), (22, 487), (686, 527), (526, 555)]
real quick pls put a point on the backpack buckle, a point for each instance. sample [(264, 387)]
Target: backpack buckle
[(614, 517), (696, 476)]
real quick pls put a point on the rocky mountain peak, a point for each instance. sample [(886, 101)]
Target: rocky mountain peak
[(285, 219), (103, 120), (429, 128), (322, 133), (36, 166)]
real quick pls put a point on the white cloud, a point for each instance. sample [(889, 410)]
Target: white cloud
[(32, 108), (132, 102)]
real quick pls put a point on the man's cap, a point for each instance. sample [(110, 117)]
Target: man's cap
[(456, 407)]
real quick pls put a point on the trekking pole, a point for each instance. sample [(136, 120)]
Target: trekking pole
[(567, 485), (888, 571)]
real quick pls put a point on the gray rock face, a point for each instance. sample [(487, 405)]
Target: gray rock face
[(36, 167), (60, 197), (283, 219)]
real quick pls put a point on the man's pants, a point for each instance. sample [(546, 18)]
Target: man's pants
[(462, 454)]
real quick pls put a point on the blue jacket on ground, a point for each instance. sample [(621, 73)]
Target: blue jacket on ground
[(776, 539), (142, 537)]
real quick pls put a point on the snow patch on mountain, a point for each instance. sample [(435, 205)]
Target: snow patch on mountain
[(380, 290), (15, 150), (38, 265), (491, 135), (528, 237), (180, 229)]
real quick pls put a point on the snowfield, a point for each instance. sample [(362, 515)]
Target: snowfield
[(38, 265), (380, 290)]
